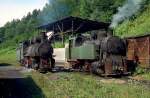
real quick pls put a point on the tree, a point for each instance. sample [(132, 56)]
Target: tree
[(100, 10), (56, 10)]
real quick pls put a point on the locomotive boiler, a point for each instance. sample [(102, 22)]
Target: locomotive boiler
[(36, 53)]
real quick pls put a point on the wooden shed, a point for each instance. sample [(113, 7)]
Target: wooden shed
[(139, 50)]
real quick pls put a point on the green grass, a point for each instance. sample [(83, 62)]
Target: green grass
[(58, 45), (143, 73), (146, 76), (8, 55), (77, 85)]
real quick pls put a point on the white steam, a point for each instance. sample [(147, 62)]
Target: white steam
[(126, 11)]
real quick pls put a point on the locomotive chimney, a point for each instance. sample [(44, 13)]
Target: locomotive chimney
[(110, 32), (43, 36)]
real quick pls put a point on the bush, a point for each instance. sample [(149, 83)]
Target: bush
[(58, 45)]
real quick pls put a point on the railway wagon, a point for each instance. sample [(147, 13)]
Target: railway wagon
[(139, 50)]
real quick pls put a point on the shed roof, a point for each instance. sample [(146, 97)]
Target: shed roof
[(74, 24)]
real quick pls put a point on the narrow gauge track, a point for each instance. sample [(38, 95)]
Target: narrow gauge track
[(131, 80), (127, 79), (139, 82)]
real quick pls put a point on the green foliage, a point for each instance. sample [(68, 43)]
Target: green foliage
[(19, 30), (58, 45), (136, 26), (100, 10), (143, 73), (146, 75), (56, 10), (140, 70)]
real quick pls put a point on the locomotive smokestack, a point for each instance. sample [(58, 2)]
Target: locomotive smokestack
[(109, 32), (43, 36)]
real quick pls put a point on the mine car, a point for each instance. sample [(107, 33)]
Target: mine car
[(92, 47), (139, 50)]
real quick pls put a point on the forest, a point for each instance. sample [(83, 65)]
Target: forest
[(100, 10)]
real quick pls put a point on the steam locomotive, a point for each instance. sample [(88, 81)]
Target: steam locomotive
[(102, 54), (36, 53)]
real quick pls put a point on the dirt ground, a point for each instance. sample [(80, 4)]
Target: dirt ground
[(14, 85)]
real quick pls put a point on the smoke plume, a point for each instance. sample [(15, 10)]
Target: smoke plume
[(126, 11), (54, 10)]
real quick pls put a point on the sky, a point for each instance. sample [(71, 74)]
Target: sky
[(16, 9)]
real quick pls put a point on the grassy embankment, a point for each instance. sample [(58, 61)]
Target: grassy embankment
[(8, 56)]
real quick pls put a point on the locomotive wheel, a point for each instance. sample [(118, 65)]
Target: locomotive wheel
[(42, 67), (96, 68), (52, 63), (42, 70), (87, 67), (35, 66)]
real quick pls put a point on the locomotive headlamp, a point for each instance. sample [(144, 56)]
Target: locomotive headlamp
[(50, 34)]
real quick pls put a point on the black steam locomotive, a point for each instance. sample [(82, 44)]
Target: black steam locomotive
[(36, 53), (101, 53), (112, 56)]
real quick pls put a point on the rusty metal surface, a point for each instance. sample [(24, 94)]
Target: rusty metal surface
[(108, 66), (139, 50)]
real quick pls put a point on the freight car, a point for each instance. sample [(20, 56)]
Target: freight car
[(36, 53), (139, 50), (99, 52)]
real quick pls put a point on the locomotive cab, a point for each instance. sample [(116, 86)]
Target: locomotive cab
[(81, 48)]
